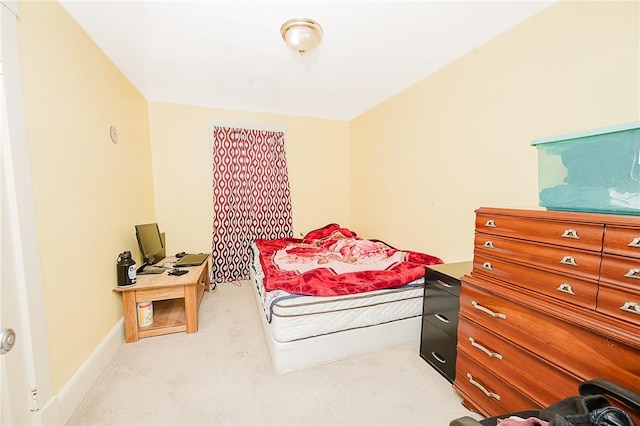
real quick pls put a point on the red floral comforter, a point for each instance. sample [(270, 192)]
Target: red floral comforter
[(333, 261)]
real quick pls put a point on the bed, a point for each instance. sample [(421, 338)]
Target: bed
[(332, 295)]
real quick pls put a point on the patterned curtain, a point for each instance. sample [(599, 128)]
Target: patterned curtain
[(251, 197)]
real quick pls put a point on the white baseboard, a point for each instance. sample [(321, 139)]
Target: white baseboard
[(77, 387)]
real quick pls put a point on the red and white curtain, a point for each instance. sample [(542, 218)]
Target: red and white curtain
[(251, 197)]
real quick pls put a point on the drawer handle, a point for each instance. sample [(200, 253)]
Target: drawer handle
[(441, 317), (487, 265), (442, 283), (633, 273), (481, 308), (632, 307), (566, 288), (635, 243), (482, 388), (569, 260), (438, 358), (490, 224), (485, 350), (570, 233), (489, 244)]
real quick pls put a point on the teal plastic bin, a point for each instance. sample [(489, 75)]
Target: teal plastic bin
[(592, 171)]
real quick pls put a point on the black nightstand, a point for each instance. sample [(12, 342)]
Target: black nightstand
[(440, 306)]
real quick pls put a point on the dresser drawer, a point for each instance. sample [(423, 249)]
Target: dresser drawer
[(520, 368), (570, 289), (622, 241), (440, 308), (622, 271), (488, 393), (589, 354), (439, 350), (577, 235), (621, 304), (562, 259)]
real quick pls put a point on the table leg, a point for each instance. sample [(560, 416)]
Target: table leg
[(191, 308), (130, 316)]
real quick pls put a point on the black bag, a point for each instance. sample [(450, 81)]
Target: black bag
[(587, 410), (590, 408)]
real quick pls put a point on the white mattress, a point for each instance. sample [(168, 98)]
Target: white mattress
[(295, 317)]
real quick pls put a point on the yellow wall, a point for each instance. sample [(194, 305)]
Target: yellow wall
[(89, 192), (425, 159), (317, 161)]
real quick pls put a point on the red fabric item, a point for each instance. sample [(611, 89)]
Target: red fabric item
[(323, 281), (327, 231), (518, 421)]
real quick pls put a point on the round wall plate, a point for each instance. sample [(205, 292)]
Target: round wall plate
[(113, 132)]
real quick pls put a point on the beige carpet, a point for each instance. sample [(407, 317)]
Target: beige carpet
[(223, 375)]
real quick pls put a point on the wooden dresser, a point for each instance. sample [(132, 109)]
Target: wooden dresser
[(553, 299)]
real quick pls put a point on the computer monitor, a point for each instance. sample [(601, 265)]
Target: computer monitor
[(150, 243)]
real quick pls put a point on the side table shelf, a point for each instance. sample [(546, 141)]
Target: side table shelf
[(176, 300)]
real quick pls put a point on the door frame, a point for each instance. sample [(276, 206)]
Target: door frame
[(28, 373)]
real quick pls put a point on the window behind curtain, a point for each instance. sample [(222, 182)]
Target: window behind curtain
[(251, 197)]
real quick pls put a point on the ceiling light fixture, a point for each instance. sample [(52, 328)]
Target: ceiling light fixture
[(302, 35)]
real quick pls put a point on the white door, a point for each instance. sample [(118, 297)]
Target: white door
[(14, 375), (24, 370)]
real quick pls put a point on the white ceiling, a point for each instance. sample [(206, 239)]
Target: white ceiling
[(230, 54)]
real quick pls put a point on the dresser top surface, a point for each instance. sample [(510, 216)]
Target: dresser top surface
[(564, 216)]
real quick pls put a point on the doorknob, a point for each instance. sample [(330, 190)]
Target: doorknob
[(7, 339)]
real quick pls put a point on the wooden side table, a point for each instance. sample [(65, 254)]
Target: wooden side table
[(176, 300)]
